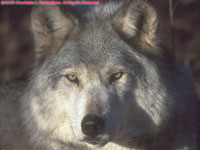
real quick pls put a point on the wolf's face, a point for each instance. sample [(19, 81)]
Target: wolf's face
[(99, 95), (97, 91), (94, 85)]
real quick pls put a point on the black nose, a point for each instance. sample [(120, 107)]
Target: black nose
[(92, 125)]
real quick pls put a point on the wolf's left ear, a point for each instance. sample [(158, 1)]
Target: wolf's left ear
[(50, 27), (138, 21)]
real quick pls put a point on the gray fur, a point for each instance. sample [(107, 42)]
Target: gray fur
[(12, 134), (151, 107)]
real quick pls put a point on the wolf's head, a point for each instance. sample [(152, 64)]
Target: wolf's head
[(96, 78)]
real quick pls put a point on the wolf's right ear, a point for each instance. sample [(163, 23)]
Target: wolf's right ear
[(50, 27)]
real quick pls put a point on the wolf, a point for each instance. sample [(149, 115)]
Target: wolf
[(102, 81)]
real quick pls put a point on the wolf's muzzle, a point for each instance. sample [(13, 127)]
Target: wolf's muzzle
[(92, 125)]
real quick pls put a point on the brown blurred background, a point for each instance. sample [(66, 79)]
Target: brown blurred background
[(16, 44)]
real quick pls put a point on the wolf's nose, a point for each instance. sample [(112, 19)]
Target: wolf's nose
[(92, 125)]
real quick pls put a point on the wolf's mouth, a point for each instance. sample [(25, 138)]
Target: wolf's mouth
[(95, 142)]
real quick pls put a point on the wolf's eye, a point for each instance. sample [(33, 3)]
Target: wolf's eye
[(116, 76), (72, 78)]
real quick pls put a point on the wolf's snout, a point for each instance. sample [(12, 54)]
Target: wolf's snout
[(92, 125)]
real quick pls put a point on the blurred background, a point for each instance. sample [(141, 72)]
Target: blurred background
[(16, 44)]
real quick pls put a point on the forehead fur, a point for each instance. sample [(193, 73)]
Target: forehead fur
[(97, 52)]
